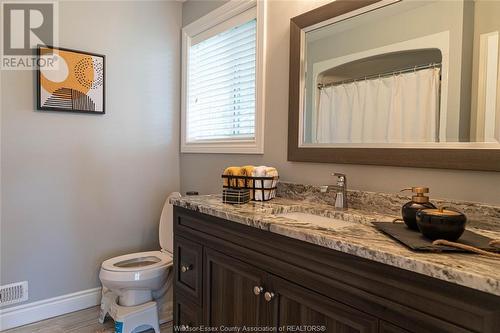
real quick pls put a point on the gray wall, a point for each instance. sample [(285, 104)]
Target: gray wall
[(449, 184), (79, 188), (194, 9)]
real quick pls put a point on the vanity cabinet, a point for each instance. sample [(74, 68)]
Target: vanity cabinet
[(243, 276)]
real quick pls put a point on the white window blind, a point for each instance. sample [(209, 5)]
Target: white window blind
[(221, 85)]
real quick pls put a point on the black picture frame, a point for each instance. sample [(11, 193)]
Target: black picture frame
[(60, 109)]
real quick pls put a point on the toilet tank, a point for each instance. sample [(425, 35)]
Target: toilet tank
[(166, 230)]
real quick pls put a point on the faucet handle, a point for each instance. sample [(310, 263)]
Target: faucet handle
[(342, 178), (340, 175)]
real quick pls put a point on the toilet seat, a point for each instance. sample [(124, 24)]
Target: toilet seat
[(138, 262)]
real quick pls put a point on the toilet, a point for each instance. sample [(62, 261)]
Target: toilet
[(138, 278)]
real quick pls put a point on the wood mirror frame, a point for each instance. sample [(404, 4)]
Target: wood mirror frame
[(487, 159)]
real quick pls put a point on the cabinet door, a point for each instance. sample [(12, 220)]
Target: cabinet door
[(188, 268), (186, 314), (230, 298), (297, 306)]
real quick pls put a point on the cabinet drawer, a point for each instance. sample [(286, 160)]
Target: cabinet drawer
[(188, 258), (187, 314)]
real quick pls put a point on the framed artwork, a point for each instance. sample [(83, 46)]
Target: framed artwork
[(70, 80)]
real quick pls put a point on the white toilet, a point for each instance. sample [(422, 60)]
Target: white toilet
[(142, 277)]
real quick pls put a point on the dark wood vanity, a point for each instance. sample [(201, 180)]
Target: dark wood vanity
[(228, 274)]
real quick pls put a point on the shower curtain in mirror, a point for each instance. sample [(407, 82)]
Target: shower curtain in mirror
[(399, 108)]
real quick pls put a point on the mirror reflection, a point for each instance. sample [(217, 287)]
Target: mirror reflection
[(412, 72)]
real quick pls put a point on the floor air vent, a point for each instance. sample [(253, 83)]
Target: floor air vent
[(14, 293)]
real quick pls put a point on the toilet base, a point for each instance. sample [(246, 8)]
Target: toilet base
[(134, 297)]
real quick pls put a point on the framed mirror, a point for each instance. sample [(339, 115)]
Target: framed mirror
[(391, 82)]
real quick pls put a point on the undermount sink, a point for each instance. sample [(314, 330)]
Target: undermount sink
[(321, 221)]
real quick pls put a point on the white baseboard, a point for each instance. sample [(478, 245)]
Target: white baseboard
[(48, 308)]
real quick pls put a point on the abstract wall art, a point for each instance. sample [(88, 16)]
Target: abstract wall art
[(70, 80)]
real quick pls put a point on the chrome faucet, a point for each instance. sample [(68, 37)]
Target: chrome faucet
[(341, 197), (341, 191)]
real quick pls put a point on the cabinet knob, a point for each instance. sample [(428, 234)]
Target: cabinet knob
[(269, 296), (257, 290), (185, 268)]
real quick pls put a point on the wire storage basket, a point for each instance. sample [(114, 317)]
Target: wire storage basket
[(261, 188)]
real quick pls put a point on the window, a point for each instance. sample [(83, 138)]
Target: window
[(222, 99)]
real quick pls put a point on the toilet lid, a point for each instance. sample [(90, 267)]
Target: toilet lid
[(139, 261)]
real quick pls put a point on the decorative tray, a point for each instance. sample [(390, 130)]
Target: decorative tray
[(415, 241)]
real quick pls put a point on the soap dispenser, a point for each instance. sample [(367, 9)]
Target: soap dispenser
[(418, 201)]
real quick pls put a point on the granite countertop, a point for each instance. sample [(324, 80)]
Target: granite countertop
[(358, 238)]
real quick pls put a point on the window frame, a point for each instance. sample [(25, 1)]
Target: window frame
[(214, 18)]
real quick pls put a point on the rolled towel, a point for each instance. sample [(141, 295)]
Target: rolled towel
[(259, 171), (263, 171), (270, 172), (231, 171), (242, 173), (248, 171)]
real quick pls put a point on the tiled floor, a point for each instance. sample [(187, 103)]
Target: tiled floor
[(84, 321)]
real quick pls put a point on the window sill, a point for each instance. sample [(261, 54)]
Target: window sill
[(223, 148)]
